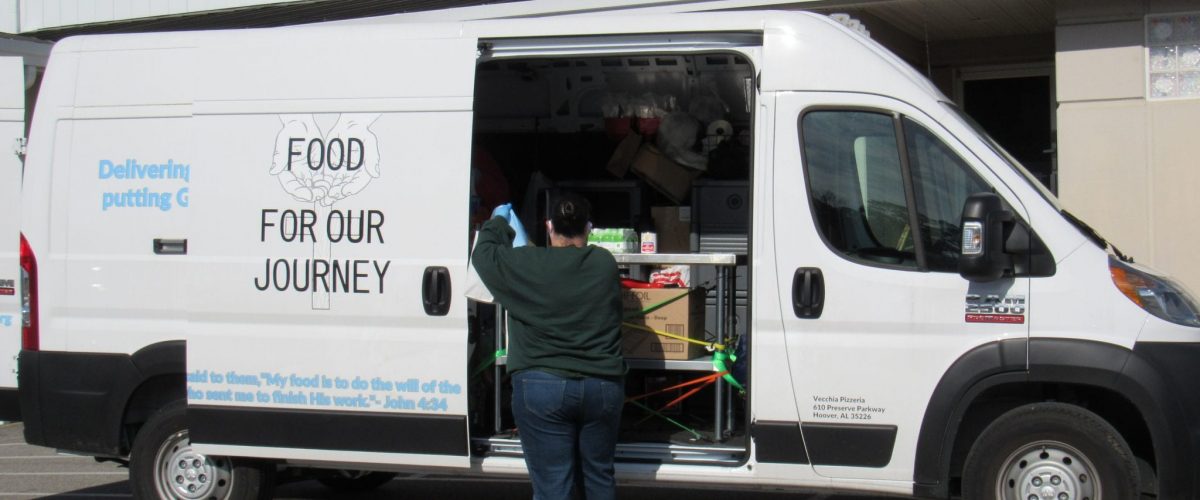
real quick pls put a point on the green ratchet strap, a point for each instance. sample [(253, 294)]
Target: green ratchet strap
[(657, 306), (687, 429), (721, 361), (488, 362)]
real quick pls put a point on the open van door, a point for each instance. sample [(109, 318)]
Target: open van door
[(12, 129), (328, 324)]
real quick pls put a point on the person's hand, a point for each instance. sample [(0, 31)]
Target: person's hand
[(506, 211), (521, 239)]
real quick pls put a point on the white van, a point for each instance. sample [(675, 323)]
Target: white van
[(300, 305), (12, 128)]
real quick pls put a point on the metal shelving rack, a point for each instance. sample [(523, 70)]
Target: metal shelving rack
[(726, 265)]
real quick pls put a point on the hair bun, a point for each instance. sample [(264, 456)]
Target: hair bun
[(571, 213)]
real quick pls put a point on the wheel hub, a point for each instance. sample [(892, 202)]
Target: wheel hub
[(184, 474), (1048, 471)]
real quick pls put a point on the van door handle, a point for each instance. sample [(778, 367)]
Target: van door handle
[(435, 291), (166, 246), (808, 293)]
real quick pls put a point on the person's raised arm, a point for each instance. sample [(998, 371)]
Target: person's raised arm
[(492, 256)]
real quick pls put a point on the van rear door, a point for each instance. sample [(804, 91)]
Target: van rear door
[(12, 128), (329, 224)]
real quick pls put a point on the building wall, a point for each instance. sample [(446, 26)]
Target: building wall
[(34, 15), (1128, 165)]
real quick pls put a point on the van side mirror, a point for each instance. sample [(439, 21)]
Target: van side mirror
[(982, 258)]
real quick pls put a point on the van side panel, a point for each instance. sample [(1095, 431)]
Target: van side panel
[(103, 155), (128, 186), (332, 194), (12, 127)]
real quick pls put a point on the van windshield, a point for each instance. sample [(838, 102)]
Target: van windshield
[(999, 150)]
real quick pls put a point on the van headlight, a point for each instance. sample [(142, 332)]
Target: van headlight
[(1158, 295)]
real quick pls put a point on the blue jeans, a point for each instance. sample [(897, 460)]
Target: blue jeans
[(568, 429)]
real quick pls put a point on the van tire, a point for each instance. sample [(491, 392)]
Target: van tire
[(1050, 448), (163, 465), (356, 481)]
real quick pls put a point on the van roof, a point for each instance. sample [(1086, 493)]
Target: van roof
[(801, 51), (526, 9)]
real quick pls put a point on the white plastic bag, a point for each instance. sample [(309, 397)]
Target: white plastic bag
[(475, 289)]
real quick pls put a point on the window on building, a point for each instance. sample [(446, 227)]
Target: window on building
[(1173, 59)]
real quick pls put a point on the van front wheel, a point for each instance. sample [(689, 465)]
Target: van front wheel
[(1050, 450), (164, 465)]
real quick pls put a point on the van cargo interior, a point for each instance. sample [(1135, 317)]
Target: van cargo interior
[(658, 143)]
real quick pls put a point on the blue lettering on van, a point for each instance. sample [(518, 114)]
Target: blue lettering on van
[(402, 393), (6, 320), (145, 196), (181, 197), (131, 169), (139, 198)]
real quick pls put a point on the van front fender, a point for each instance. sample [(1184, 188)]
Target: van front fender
[(1136, 376)]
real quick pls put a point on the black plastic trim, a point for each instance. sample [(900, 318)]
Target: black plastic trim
[(328, 430), (10, 405), (851, 445), (76, 401), (944, 413), (1170, 373), (1153, 377), (163, 358), (778, 442), (28, 386)]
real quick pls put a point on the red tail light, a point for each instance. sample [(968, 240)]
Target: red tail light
[(29, 302)]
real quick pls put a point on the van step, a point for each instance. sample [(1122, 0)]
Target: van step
[(636, 452)]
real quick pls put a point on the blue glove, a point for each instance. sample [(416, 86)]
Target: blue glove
[(520, 239), (506, 211)]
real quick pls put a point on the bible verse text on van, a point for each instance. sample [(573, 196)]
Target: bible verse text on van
[(315, 389)]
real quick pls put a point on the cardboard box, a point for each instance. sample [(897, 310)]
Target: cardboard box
[(669, 178), (683, 317), (622, 157), (674, 228)]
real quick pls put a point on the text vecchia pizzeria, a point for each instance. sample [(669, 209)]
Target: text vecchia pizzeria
[(322, 275)]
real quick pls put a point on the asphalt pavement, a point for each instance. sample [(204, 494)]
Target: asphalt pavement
[(28, 472)]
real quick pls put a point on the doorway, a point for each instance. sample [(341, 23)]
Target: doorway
[(1015, 105)]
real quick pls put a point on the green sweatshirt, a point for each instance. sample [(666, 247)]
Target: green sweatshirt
[(564, 304)]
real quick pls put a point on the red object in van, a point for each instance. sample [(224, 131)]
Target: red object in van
[(617, 128), (632, 283)]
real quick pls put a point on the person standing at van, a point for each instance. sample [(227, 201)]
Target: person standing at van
[(564, 351)]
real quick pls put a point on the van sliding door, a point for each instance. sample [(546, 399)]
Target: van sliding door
[(327, 250)]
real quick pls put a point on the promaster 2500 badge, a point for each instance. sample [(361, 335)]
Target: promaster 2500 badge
[(995, 309)]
